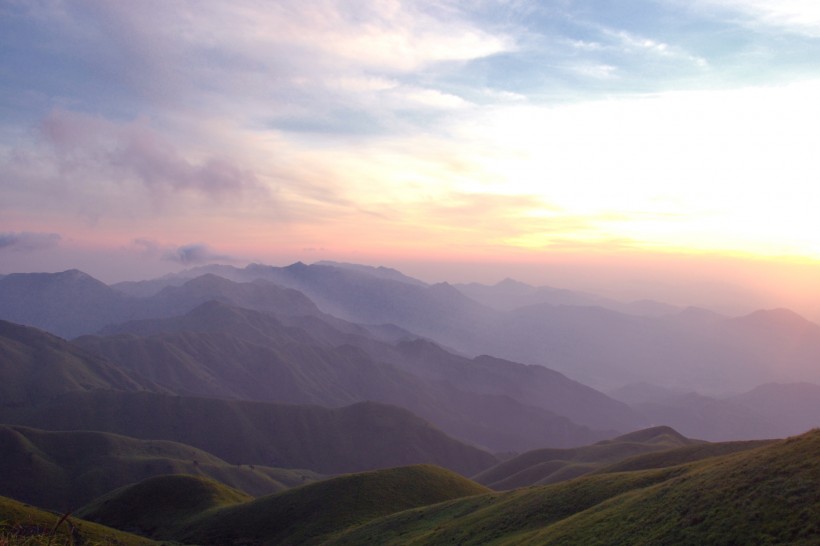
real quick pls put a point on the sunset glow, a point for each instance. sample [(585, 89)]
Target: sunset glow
[(428, 135)]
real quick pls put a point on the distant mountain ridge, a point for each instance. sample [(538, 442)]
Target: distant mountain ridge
[(358, 437)]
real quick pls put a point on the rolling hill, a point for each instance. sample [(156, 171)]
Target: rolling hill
[(766, 495), (546, 466), (64, 470), (26, 525), (297, 516)]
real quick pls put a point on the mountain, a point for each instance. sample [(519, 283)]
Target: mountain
[(36, 366), (380, 271), (767, 411), (766, 495), (67, 304), (227, 352), (600, 347), (207, 514), (361, 436), (65, 470), (509, 294), (545, 466)]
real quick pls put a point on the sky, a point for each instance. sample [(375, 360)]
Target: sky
[(640, 148)]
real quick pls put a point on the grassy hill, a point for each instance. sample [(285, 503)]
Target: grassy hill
[(65, 470), (545, 466), (25, 525), (296, 516), (160, 505), (358, 437), (767, 495)]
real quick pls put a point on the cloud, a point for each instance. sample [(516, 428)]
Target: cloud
[(800, 16), (195, 253), (27, 241), (134, 151)]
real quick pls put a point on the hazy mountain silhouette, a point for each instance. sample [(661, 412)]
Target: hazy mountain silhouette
[(68, 304), (37, 366), (358, 437), (509, 294), (227, 352)]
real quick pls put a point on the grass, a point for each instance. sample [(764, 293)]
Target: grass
[(65, 470), (25, 525), (159, 506), (547, 466), (205, 513), (766, 495)]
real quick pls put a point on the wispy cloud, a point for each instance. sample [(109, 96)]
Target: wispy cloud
[(195, 253), (800, 16), (134, 151), (188, 254), (27, 241)]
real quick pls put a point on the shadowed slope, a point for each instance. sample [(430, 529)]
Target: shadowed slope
[(297, 516), (221, 351), (64, 470), (36, 366), (359, 437), (29, 526), (545, 466), (157, 506)]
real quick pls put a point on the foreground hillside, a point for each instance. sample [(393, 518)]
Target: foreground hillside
[(768, 495), (25, 525), (199, 511)]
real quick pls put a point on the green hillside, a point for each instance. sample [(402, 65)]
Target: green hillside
[(64, 470), (767, 495), (546, 466), (295, 516), (160, 505), (25, 525), (682, 455), (354, 438)]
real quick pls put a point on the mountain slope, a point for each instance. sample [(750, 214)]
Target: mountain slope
[(24, 524), (64, 470), (228, 352), (35, 366), (67, 304), (297, 516), (767, 495), (545, 466), (158, 506), (358, 437)]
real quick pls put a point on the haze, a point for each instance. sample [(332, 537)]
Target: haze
[(651, 149)]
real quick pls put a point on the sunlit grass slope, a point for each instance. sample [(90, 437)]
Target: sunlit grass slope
[(767, 495), (25, 525), (296, 516)]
